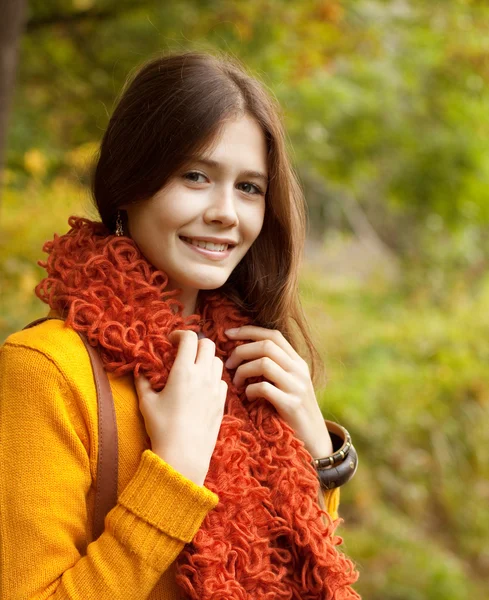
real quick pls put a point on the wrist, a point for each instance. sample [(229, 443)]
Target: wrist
[(192, 472), (340, 446), (322, 444), (338, 467)]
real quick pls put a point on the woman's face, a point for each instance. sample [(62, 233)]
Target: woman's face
[(222, 202)]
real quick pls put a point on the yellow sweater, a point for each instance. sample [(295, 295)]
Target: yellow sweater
[(48, 463)]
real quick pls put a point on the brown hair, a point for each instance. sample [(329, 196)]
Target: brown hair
[(172, 109)]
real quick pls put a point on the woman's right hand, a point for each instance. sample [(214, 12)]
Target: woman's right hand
[(183, 420)]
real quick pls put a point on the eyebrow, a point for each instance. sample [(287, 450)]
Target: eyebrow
[(216, 165)]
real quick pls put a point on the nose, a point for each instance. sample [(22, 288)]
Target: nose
[(221, 208)]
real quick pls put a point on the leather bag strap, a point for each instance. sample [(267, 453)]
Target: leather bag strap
[(108, 452)]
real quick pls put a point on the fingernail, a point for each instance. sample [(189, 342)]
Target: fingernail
[(231, 331)]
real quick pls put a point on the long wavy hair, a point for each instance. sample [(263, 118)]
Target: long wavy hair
[(170, 110)]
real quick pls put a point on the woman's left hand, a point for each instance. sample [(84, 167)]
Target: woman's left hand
[(289, 388)]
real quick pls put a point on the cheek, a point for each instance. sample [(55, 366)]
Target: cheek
[(155, 217), (255, 220)]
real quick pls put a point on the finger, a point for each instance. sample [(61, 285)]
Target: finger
[(264, 389), (206, 350), (143, 388), (223, 390), (263, 366), (187, 341), (217, 367), (141, 383), (253, 332), (256, 350)]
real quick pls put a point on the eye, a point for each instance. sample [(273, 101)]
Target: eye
[(259, 191), (191, 174), (194, 175)]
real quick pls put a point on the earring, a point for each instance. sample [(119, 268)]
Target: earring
[(119, 229)]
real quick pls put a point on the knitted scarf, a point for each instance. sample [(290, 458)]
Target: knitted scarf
[(266, 539)]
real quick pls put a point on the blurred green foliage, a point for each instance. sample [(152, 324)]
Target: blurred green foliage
[(385, 103), (410, 379)]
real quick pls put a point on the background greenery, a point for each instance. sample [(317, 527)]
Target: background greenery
[(386, 106)]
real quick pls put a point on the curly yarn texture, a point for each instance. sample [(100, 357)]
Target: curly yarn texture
[(265, 540)]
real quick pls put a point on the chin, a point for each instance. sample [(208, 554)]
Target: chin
[(201, 283), (211, 285)]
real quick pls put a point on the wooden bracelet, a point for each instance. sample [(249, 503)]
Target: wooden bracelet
[(337, 469), (339, 474), (337, 432)]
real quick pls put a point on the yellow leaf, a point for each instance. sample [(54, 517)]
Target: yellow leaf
[(83, 4), (35, 162), (82, 156)]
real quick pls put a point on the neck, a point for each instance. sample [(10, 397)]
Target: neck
[(188, 297)]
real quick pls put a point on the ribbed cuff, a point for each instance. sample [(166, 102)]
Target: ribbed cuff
[(332, 502), (166, 499)]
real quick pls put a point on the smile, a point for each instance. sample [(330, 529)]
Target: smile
[(208, 249)]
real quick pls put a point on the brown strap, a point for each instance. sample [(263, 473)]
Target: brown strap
[(107, 458)]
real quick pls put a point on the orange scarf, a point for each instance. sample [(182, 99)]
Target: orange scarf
[(266, 538)]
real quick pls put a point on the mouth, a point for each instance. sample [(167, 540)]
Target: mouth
[(208, 249), (206, 245)]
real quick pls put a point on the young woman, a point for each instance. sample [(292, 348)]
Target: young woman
[(188, 290)]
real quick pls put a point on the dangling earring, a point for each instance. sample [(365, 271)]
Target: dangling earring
[(119, 229)]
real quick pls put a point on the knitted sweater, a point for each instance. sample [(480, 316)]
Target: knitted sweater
[(48, 463)]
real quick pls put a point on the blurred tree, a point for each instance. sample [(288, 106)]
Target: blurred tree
[(385, 101), (11, 24)]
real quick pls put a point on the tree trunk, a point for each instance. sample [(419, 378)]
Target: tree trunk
[(12, 19)]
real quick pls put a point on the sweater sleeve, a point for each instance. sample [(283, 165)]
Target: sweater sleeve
[(332, 502), (44, 481)]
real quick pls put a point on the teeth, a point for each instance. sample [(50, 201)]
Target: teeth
[(206, 245)]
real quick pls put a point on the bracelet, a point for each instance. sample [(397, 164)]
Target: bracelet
[(340, 437), (340, 474), (337, 469)]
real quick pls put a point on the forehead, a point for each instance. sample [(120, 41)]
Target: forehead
[(239, 145)]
